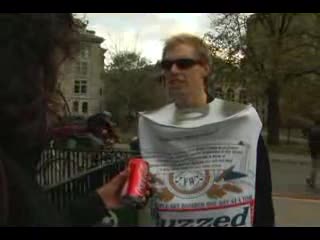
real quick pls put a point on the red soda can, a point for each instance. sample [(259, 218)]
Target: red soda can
[(136, 187)]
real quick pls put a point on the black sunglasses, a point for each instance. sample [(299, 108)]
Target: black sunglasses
[(181, 63)]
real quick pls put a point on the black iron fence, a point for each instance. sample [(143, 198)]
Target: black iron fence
[(68, 174)]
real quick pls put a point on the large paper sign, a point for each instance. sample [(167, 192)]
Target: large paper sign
[(204, 163)]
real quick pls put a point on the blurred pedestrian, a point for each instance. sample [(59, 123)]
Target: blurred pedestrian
[(314, 147)]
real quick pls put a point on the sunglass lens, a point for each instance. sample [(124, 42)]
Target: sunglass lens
[(166, 64), (185, 63)]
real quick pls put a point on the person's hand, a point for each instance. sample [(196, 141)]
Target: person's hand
[(110, 193), (148, 193)]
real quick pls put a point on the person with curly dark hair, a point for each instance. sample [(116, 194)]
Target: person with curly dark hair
[(33, 46)]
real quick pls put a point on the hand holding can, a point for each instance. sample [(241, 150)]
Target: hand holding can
[(137, 187)]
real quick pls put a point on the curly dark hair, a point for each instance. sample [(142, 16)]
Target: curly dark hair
[(32, 48)]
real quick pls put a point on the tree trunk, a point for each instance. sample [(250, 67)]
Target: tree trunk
[(288, 135), (273, 114)]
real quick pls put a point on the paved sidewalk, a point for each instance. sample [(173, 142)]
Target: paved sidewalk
[(284, 138), (291, 212), (290, 158)]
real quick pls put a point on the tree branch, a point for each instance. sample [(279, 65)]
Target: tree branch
[(289, 22), (283, 23), (268, 20), (299, 46), (314, 36), (314, 70)]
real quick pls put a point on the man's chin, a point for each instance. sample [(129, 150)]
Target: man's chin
[(181, 98), (177, 94)]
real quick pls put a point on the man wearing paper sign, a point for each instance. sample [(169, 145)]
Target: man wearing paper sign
[(209, 162)]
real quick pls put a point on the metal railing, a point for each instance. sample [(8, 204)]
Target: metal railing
[(68, 174)]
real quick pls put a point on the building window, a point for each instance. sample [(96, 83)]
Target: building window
[(80, 87), (83, 87), (59, 86), (85, 107), (75, 107), (218, 93), (230, 94), (84, 52), (243, 97), (76, 86), (81, 69)]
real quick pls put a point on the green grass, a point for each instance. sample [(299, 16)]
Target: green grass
[(292, 148), (293, 132)]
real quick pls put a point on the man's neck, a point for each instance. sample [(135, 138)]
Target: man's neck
[(196, 102)]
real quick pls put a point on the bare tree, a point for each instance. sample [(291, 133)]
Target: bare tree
[(273, 49)]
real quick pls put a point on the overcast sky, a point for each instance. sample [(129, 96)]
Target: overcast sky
[(144, 32)]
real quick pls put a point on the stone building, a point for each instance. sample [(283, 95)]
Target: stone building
[(81, 80)]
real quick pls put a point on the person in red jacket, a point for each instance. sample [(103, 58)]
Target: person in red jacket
[(101, 126), (98, 129)]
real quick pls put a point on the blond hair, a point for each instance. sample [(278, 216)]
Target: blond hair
[(200, 47)]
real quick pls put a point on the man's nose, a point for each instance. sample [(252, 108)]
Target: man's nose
[(174, 68)]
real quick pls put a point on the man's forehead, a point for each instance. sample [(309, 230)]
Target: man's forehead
[(179, 51)]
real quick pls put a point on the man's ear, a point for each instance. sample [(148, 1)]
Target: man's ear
[(207, 70)]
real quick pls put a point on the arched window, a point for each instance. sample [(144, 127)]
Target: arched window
[(85, 107), (218, 92), (75, 106), (243, 96), (230, 94)]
